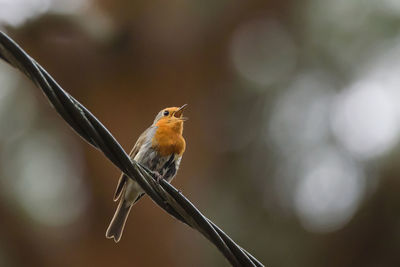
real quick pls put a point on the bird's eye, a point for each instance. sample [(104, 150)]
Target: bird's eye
[(166, 113)]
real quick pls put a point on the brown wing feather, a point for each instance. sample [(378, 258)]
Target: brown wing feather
[(132, 154), (120, 186)]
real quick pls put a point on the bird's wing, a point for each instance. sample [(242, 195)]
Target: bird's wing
[(132, 154)]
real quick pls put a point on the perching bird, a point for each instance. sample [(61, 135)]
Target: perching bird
[(159, 148)]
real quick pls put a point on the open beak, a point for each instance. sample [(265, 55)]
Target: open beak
[(179, 112)]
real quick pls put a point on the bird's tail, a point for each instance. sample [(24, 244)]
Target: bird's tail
[(117, 224)]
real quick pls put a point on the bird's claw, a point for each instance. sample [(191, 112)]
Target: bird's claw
[(158, 177)]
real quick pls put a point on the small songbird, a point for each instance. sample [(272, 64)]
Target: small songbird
[(159, 148)]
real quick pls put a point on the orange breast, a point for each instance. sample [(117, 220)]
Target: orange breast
[(167, 141)]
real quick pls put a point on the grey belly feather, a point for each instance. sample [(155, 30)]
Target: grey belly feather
[(166, 166)]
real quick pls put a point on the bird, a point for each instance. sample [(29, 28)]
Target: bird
[(159, 148)]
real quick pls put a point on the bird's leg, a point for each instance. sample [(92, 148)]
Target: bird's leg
[(158, 176)]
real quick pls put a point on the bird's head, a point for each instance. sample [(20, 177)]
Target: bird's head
[(171, 117)]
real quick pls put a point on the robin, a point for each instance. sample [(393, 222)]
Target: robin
[(160, 149)]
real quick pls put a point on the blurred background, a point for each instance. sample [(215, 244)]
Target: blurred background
[(292, 142)]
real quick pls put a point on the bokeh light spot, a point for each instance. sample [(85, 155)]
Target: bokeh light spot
[(329, 193), (44, 178), (365, 120), (263, 52), (299, 119), (16, 12)]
